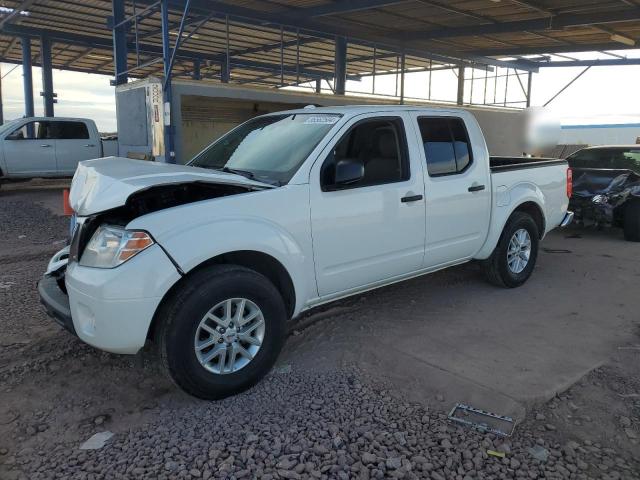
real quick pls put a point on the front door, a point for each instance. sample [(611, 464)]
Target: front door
[(371, 229), (28, 152), (457, 186)]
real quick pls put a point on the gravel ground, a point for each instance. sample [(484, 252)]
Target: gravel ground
[(301, 422)]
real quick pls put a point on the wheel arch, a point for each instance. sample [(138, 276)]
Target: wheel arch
[(260, 262), (501, 218), (535, 211)]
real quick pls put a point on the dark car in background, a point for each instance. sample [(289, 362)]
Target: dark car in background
[(606, 187)]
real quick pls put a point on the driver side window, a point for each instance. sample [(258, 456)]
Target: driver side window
[(377, 147), (29, 131)]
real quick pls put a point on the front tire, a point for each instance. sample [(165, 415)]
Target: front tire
[(632, 221), (514, 258), (222, 331)]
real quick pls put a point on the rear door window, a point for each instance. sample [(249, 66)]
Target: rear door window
[(446, 145), (68, 131)]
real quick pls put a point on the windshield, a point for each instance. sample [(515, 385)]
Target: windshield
[(269, 149), (615, 158)]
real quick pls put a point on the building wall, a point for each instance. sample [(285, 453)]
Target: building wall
[(624, 134), (206, 111)]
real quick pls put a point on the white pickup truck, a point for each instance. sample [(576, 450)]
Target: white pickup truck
[(285, 212), (49, 147)]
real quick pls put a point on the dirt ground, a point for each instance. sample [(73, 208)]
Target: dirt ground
[(362, 388)]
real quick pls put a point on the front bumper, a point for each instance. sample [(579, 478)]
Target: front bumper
[(55, 302), (111, 309)]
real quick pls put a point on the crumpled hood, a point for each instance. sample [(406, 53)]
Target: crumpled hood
[(105, 183)]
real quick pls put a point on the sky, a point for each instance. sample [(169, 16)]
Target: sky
[(601, 95)]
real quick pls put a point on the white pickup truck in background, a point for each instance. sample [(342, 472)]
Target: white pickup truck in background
[(49, 147), (286, 212)]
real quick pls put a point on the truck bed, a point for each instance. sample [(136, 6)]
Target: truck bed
[(501, 164)]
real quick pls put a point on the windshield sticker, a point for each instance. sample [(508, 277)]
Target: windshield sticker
[(322, 119)]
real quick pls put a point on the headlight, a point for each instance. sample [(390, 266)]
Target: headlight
[(111, 246)]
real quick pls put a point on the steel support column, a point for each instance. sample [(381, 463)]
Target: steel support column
[(225, 66), (196, 70), (529, 81), (402, 67), (169, 151), (460, 98), (119, 42), (48, 96), (340, 65), (27, 76)]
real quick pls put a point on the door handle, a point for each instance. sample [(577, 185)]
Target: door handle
[(476, 188), (45, 145), (411, 198), (89, 145)]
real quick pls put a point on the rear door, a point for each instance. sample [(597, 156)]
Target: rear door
[(28, 151), (457, 188), (371, 230), (73, 144)]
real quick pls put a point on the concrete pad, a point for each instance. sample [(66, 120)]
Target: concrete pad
[(452, 336)]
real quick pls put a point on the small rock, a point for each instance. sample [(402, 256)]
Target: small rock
[(539, 453), (631, 433), (286, 464), (99, 420), (445, 443), (394, 463), (540, 416), (290, 474), (368, 458), (194, 472), (625, 421), (3, 451), (550, 427), (504, 447)]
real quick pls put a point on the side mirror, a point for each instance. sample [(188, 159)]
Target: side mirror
[(348, 172)]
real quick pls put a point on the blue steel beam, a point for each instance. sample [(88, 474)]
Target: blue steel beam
[(169, 151), (48, 96), (27, 77), (340, 65), (557, 22), (119, 42), (592, 63), (349, 6), (299, 19), (196, 70)]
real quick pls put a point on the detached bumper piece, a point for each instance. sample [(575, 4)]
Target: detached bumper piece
[(56, 302), (568, 218)]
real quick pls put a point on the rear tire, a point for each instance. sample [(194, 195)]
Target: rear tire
[(510, 265), (632, 221), (209, 310)]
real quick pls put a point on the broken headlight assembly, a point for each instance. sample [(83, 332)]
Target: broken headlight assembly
[(111, 246)]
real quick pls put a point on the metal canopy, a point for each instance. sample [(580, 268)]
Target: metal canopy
[(285, 42)]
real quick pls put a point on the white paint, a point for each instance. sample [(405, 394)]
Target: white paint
[(332, 244), (26, 158)]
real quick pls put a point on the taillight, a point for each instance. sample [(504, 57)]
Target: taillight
[(569, 182)]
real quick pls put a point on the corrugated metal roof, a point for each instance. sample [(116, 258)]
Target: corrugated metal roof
[(460, 30)]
